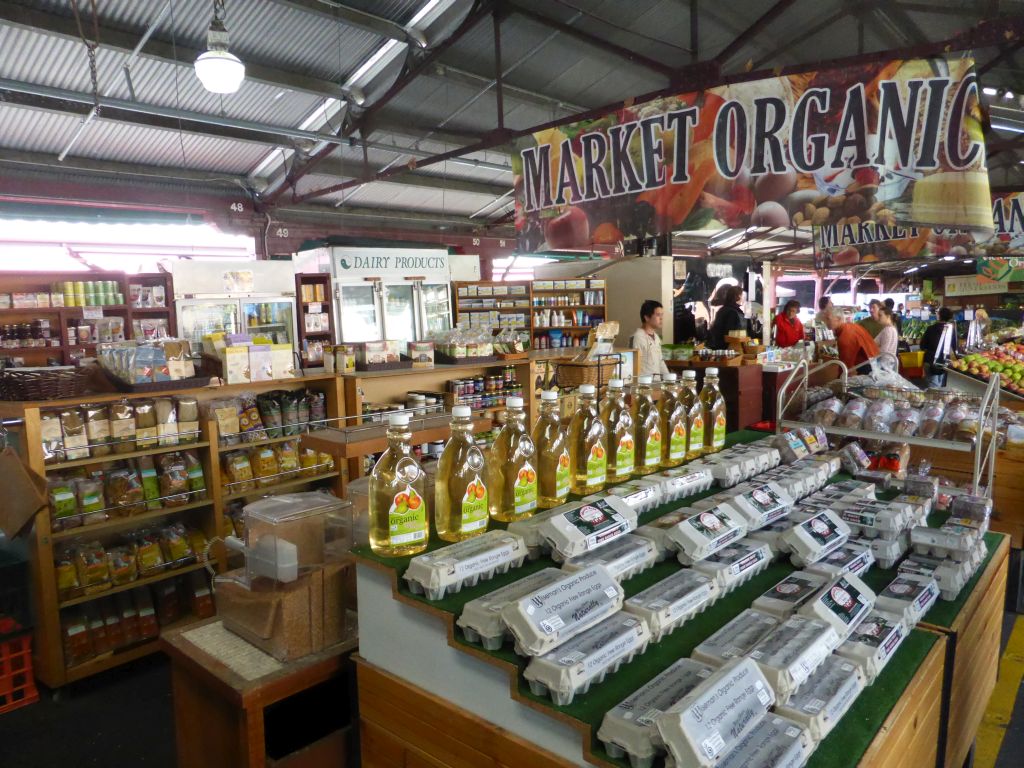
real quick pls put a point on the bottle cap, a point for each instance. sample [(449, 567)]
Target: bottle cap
[(549, 394), (615, 383), (711, 372), (461, 411), (586, 389), (644, 379), (398, 420), (689, 374), (514, 402), (669, 377)]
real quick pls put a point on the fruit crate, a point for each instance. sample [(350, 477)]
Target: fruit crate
[(17, 684)]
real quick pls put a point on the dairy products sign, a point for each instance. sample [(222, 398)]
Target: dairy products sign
[(389, 263), (974, 285), (893, 144)]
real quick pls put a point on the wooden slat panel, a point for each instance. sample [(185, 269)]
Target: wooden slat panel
[(378, 748)]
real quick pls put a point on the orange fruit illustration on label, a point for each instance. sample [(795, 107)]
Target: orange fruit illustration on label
[(480, 491), (531, 476), (414, 502), (563, 460)]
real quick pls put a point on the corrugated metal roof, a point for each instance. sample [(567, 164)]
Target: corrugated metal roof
[(398, 11), (402, 196)]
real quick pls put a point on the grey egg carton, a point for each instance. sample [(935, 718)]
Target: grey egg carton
[(921, 485), (762, 504), (909, 596), (853, 557), (776, 742), (480, 619), (625, 557), (681, 482), (587, 659), (772, 535), (783, 599), (887, 553), (706, 532), (951, 575), (642, 494), (921, 505), (876, 519), (953, 542), (673, 601), (855, 488), (736, 638), (628, 730), (737, 564), (820, 703), (657, 531), (464, 564), (814, 538), (790, 653), (842, 603), (531, 528), (873, 644)]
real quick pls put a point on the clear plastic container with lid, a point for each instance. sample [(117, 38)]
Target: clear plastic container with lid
[(647, 424), (513, 483), (588, 446), (672, 411), (618, 425), (399, 512), (461, 487), (552, 446)]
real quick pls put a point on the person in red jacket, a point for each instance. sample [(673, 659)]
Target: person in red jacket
[(788, 328)]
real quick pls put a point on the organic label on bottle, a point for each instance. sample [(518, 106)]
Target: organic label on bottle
[(525, 489), (677, 441), (718, 440), (597, 465), (652, 452), (474, 506), (562, 482), (407, 518), (696, 441), (624, 456)]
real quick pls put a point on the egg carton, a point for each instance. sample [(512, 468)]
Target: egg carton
[(641, 494), (853, 557), (531, 528), (551, 615), (832, 461), (876, 519), (921, 506), (629, 730), (843, 603), (814, 538), (951, 575), (587, 527), (736, 564), (772, 535), (908, 596), (762, 505), (671, 602), (873, 644), (706, 532), (855, 488), (955, 542), (464, 564), (763, 452), (480, 619), (882, 480), (736, 638), (921, 485), (887, 553), (657, 531), (587, 659), (791, 447), (624, 558), (790, 653), (716, 716), (827, 695), (775, 741), (788, 595), (681, 482)]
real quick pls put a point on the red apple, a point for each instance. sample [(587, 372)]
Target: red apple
[(570, 229)]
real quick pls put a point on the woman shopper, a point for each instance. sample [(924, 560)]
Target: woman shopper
[(729, 317), (788, 329), (888, 338)]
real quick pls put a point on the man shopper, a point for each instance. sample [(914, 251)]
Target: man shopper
[(824, 303), (646, 340), (855, 345), (938, 344), (871, 324)]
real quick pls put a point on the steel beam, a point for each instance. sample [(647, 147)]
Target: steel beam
[(349, 170), (537, 98), (499, 86), (352, 17), (21, 159), (748, 34)]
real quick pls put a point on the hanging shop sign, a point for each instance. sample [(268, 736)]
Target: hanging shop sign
[(894, 144), (974, 285), (846, 243), (391, 263)]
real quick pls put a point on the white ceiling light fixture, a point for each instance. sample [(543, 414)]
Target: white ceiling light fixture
[(219, 70)]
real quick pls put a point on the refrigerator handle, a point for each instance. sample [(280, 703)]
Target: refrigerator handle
[(421, 308)]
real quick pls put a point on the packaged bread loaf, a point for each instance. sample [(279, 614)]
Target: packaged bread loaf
[(853, 414), (307, 461), (287, 454), (93, 570), (148, 554), (827, 411), (237, 473), (124, 493), (166, 421), (173, 479), (122, 564), (955, 413), (906, 420), (145, 424), (76, 442), (264, 466), (122, 426), (188, 418), (67, 574), (224, 411), (931, 418), (175, 545), (879, 414)]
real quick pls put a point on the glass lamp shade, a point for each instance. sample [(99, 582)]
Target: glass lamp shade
[(220, 71)]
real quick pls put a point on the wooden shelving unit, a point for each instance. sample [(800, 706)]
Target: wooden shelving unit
[(314, 294), (500, 301), (206, 514)]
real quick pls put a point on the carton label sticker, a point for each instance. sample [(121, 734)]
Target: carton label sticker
[(474, 506)]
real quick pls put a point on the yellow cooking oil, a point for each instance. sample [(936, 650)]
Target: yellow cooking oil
[(552, 444), (673, 422), (588, 449), (513, 472), (618, 427), (399, 514), (460, 488), (713, 409), (694, 415), (647, 422)]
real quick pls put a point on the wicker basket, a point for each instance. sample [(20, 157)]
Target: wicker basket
[(43, 383), (597, 372)]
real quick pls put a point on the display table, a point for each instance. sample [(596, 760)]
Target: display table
[(474, 708), (223, 687)]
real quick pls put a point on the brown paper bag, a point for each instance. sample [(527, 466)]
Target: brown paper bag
[(24, 493)]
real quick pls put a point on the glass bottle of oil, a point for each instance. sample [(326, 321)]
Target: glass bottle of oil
[(673, 422), (552, 446), (399, 515), (460, 488), (647, 423), (513, 467), (618, 427), (690, 401), (588, 448), (713, 408)]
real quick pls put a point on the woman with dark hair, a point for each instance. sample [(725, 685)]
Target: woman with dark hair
[(728, 318), (788, 328)]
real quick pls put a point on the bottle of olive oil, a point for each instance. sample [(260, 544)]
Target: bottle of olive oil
[(690, 401), (399, 516), (713, 408), (513, 467), (673, 422), (618, 426), (552, 446), (588, 447), (460, 488), (647, 423)]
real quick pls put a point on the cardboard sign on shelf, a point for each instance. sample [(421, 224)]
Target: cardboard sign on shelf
[(26, 493)]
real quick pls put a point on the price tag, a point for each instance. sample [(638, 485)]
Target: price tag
[(315, 309), (92, 313)]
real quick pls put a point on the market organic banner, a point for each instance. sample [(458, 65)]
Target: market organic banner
[(895, 144), (998, 255)]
